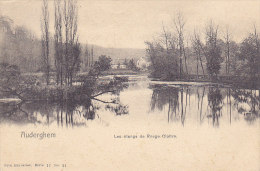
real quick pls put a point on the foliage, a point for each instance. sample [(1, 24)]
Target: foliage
[(103, 63), (67, 46), (10, 76), (19, 46), (250, 55), (233, 62), (164, 63), (168, 55), (12, 83), (213, 51), (131, 65)]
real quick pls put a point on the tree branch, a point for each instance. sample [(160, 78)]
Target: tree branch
[(104, 101), (111, 91)]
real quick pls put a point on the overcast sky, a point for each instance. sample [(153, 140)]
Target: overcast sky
[(128, 24)]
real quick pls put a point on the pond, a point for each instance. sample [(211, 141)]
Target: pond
[(144, 102), (207, 127)]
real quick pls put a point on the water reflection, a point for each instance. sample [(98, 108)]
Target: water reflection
[(247, 103), (215, 102), (185, 104), (204, 103), (65, 113)]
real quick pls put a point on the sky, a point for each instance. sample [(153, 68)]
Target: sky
[(128, 24)]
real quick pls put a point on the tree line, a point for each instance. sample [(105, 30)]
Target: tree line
[(66, 45), (216, 55), (19, 46), (67, 49)]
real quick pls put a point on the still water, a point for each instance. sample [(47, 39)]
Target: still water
[(144, 102), (214, 127)]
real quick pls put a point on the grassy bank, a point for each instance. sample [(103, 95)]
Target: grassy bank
[(32, 86), (235, 81)]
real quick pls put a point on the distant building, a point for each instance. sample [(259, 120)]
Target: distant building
[(114, 66), (143, 63), (122, 66), (118, 64)]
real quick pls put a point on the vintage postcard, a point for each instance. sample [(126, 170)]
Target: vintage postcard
[(149, 85)]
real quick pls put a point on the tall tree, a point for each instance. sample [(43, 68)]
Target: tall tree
[(168, 43), (212, 50), (250, 55), (58, 42), (72, 46), (179, 23), (45, 40), (197, 45), (67, 46), (227, 50)]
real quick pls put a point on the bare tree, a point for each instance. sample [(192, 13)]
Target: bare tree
[(72, 46), (197, 47), (45, 40), (179, 23), (166, 36), (67, 46)]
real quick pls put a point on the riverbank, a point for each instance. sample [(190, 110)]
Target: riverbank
[(198, 116), (84, 87), (234, 81)]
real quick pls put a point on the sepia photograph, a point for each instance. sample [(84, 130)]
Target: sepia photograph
[(149, 85)]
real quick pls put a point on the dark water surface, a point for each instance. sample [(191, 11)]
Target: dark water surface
[(144, 102)]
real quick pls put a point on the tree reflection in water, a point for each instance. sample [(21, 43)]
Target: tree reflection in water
[(172, 98), (209, 102), (247, 102), (215, 102), (179, 103), (65, 112)]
